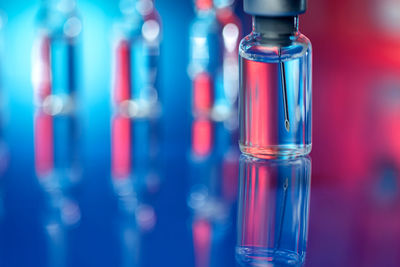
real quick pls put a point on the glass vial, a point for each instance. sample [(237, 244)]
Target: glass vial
[(55, 67), (135, 89), (204, 62), (275, 89), (273, 212), (227, 78), (137, 44)]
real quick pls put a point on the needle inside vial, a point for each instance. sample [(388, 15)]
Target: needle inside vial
[(284, 91)]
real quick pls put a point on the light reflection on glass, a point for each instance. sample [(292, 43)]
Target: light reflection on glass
[(273, 211)]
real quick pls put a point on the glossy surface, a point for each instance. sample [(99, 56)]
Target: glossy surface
[(273, 214)]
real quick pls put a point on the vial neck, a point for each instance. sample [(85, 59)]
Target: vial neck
[(276, 28)]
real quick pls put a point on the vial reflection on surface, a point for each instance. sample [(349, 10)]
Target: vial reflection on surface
[(273, 212)]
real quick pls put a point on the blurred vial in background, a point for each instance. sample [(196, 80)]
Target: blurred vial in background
[(213, 155), (275, 82), (136, 59), (274, 197), (135, 96), (135, 120), (204, 62), (227, 80), (54, 56), (54, 78)]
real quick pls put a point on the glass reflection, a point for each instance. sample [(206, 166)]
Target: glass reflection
[(213, 192), (273, 211), (136, 183), (58, 171)]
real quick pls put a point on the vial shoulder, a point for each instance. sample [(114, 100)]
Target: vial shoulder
[(258, 48)]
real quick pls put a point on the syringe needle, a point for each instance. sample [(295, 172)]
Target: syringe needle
[(284, 92)]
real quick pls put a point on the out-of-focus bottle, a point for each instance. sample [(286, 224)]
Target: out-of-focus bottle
[(227, 81), (205, 61), (275, 82), (54, 77), (274, 198), (135, 89), (136, 59), (54, 55), (213, 157), (134, 127), (56, 147)]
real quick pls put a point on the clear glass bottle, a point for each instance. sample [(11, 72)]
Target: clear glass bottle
[(273, 211), (136, 55), (275, 89), (227, 80), (135, 90), (55, 64), (204, 62), (55, 69)]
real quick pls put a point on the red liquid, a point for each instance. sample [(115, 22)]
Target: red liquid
[(122, 86), (259, 104)]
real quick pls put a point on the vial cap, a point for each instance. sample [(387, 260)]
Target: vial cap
[(274, 8)]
